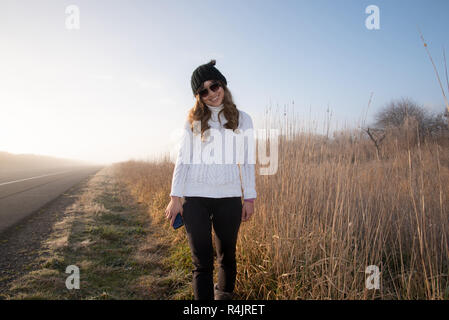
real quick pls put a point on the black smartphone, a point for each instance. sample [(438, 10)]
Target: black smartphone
[(178, 221)]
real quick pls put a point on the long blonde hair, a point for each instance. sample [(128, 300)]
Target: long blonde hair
[(200, 112)]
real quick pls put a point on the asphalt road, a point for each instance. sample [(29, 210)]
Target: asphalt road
[(24, 192)]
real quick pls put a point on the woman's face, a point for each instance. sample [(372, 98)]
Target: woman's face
[(213, 98)]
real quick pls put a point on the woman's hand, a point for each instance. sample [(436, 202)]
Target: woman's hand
[(247, 210), (173, 208)]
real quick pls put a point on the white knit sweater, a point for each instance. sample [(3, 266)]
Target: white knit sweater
[(214, 180)]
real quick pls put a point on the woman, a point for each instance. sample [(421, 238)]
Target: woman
[(212, 191)]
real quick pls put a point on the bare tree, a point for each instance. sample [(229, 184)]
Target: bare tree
[(404, 121), (436, 125), (396, 112), (376, 136)]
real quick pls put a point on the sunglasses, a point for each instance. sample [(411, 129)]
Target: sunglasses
[(213, 87)]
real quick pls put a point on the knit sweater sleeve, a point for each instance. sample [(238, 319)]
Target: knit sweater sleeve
[(181, 166), (248, 167)]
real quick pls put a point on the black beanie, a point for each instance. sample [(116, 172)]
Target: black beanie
[(205, 72)]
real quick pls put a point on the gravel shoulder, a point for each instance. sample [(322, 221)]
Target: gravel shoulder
[(98, 227)]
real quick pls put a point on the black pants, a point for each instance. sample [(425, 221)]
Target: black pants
[(199, 214)]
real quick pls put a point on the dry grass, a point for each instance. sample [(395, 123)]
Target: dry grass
[(331, 210)]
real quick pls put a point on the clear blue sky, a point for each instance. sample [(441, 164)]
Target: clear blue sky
[(119, 87)]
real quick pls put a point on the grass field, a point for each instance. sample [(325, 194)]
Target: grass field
[(332, 209)]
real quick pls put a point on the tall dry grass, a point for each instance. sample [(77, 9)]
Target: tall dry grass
[(331, 210)]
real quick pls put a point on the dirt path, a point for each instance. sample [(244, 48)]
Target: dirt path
[(97, 227)]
